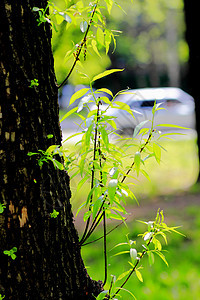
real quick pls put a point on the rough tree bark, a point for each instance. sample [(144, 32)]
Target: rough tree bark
[(48, 263), (192, 31)]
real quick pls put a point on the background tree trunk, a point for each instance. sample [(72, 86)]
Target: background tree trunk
[(192, 31), (48, 263)]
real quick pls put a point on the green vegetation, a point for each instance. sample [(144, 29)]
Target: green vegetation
[(179, 281), (176, 173)]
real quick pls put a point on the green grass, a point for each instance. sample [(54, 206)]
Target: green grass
[(181, 280)]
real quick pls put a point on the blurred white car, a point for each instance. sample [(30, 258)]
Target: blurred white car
[(179, 108)]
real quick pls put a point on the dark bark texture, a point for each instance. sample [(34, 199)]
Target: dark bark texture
[(48, 263), (192, 32)]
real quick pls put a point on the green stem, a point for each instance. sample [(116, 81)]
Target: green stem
[(105, 247), (132, 271), (141, 150), (93, 172)]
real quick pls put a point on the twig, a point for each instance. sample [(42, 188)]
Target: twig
[(132, 271), (141, 150), (80, 48), (106, 234)]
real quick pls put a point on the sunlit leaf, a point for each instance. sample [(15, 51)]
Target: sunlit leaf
[(121, 276), (100, 36), (106, 73), (137, 161), (83, 26), (139, 275), (138, 127), (69, 113), (78, 95)]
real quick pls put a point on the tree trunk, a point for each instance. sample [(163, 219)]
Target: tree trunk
[(192, 31), (48, 263)]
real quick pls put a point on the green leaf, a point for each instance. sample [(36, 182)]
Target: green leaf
[(86, 216), (109, 4), (171, 126), (54, 214), (161, 255), (106, 73), (104, 135), (66, 17), (123, 106), (13, 256), (102, 295), (83, 26), (139, 275), (137, 160), (121, 252), (78, 95), (151, 258), (100, 36), (138, 127), (121, 276), (81, 182), (112, 186), (157, 152), (104, 90), (97, 205), (94, 46), (69, 113)]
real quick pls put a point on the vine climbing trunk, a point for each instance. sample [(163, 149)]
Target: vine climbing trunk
[(48, 263)]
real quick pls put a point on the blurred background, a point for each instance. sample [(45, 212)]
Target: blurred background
[(151, 46)]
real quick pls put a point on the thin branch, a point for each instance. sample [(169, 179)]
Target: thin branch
[(132, 271), (141, 150), (80, 48), (103, 235)]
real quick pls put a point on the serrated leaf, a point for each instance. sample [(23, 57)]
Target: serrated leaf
[(83, 26), (106, 73)]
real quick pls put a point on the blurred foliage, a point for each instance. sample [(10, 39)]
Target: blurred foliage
[(151, 41)]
